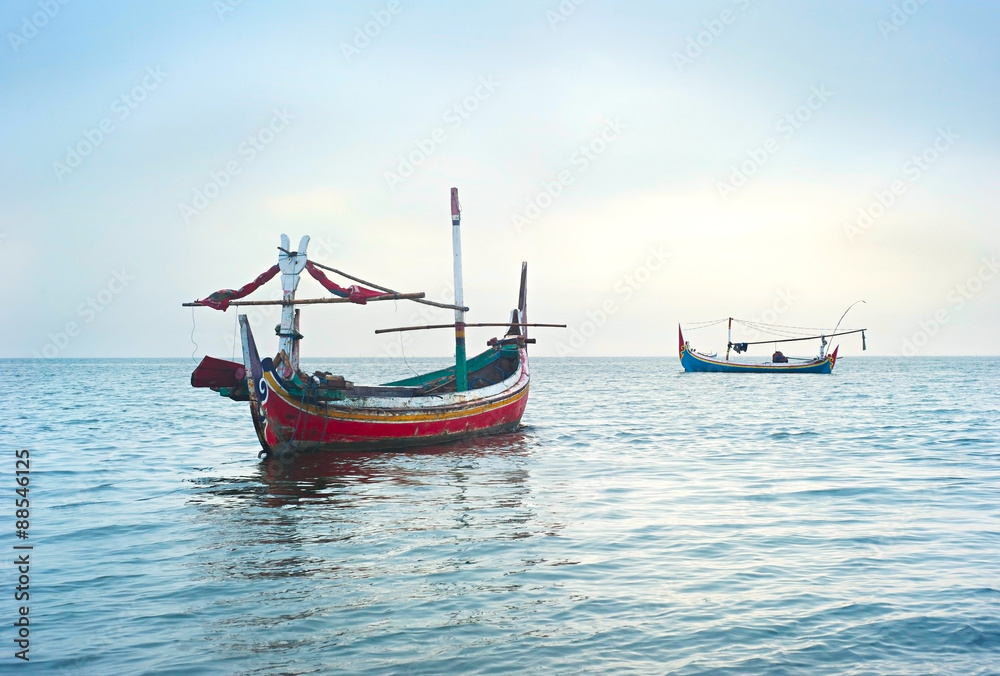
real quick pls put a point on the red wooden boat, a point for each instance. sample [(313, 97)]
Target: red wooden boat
[(294, 411)]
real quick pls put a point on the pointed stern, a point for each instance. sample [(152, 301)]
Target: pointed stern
[(255, 381)]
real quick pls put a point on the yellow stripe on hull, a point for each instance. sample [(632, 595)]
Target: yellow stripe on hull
[(389, 416)]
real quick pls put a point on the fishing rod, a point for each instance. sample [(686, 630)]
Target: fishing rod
[(845, 314), (863, 345)]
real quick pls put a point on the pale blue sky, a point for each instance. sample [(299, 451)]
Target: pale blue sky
[(791, 231)]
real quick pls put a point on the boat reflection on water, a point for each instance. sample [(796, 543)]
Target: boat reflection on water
[(338, 550), (317, 476), (328, 512)]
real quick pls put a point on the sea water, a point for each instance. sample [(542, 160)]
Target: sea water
[(643, 520)]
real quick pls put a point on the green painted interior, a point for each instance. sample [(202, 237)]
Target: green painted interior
[(473, 364), (296, 387)]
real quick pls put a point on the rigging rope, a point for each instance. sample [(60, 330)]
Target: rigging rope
[(704, 325), (780, 326), (402, 351), (771, 331)]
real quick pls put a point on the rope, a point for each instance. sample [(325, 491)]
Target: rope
[(770, 331), (313, 388), (192, 337), (761, 326), (326, 418), (302, 403), (326, 421), (780, 326), (704, 325), (402, 351)]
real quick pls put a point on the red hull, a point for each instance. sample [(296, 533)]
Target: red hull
[(288, 423)]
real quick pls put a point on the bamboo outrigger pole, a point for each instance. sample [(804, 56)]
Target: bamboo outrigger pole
[(461, 373), (412, 297), (795, 340), (314, 301), (448, 326)]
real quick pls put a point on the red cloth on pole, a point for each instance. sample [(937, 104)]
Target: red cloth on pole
[(220, 299), (356, 294)]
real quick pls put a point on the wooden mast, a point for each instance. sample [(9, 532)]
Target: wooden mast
[(461, 374), (729, 341), (291, 263)]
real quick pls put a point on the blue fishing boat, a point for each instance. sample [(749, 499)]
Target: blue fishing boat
[(694, 361)]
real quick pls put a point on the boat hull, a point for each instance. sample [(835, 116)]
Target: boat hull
[(694, 362), (293, 424)]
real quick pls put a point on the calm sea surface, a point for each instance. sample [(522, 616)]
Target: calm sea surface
[(643, 521)]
